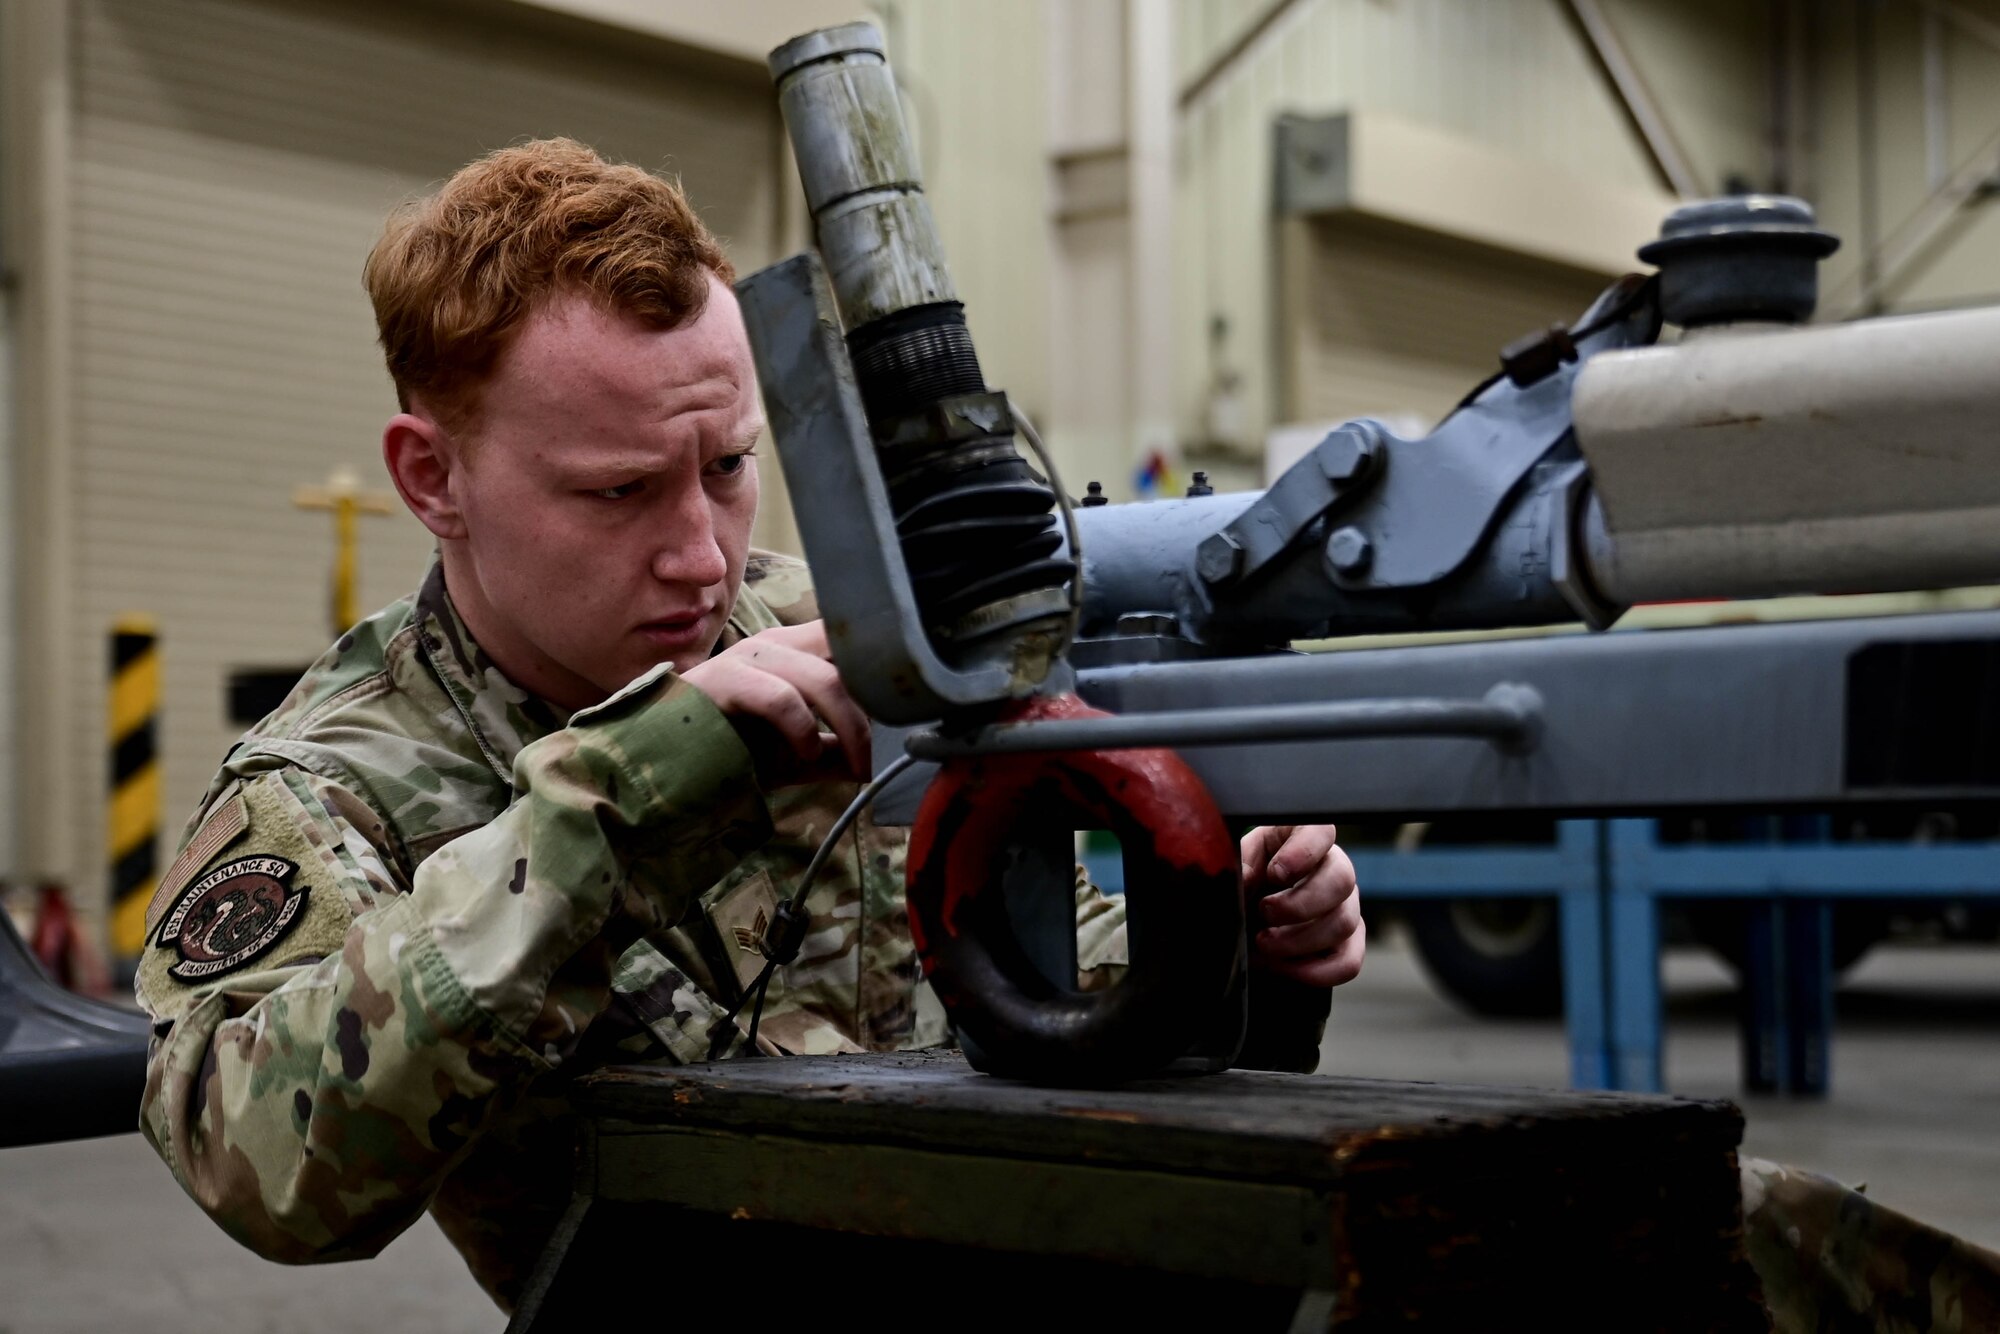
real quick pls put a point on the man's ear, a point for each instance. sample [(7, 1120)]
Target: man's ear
[(421, 459)]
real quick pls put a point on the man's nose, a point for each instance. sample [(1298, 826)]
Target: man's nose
[(688, 552)]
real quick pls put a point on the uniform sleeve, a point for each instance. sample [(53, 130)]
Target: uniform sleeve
[(1829, 1257), (326, 1047), (1100, 935)]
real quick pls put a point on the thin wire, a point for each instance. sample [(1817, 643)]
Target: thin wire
[(1597, 326), (1034, 439), (718, 1033), (847, 818), (754, 994)]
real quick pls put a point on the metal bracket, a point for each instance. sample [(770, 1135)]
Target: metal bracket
[(1314, 164), (1338, 468), (879, 643), (1423, 508), (1441, 495)]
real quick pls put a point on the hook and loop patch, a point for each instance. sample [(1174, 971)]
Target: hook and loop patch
[(232, 916)]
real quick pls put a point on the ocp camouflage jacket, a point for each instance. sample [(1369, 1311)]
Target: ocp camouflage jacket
[(417, 899)]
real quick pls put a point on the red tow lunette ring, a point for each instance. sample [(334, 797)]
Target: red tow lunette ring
[(1184, 921)]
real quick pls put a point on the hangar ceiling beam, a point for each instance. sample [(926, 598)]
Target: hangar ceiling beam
[(1634, 97), (1220, 64), (1892, 257)]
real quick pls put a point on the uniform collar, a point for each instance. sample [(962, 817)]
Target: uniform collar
[(502, 717)]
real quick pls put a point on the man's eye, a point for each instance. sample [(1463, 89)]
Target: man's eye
[(731, 464), (618, 492)]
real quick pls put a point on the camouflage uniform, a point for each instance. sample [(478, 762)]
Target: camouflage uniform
[(416, 898), (1832, 1259)]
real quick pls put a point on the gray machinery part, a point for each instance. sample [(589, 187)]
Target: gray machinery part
[(70, 1067), (1809, 714), (1509, 715), (952, 594), (1863, 711), (1847, 458), (1749, 459), (1595, 470), (1471, 526), (824, 446), (860, 173)]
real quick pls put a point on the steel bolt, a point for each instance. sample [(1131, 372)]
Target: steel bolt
[(1349, 552), (1218, 560), (1348, 453)]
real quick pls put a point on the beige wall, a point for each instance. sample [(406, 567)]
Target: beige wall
[(743, 29), (1507, 74), (974, 80), (1708, 65), (1961, 264), (188, 231)]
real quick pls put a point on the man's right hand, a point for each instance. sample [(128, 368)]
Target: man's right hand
[(782, 691)]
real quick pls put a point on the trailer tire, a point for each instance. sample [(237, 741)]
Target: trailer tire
[(1500, 957)]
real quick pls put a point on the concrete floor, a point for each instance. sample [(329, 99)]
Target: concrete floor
[(96, 1236), (1915, 1108)]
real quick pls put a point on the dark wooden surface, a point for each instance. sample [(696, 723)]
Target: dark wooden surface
[(1243, 1200), (1298, 1129)]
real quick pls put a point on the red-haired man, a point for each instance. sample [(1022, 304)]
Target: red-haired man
[(509, 827)]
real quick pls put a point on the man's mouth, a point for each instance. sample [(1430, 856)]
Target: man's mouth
[(677, 631)]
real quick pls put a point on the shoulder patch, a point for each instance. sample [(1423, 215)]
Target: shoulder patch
[(272, 900), (231, 916)]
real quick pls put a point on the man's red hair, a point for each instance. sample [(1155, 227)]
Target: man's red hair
[(456, 273)]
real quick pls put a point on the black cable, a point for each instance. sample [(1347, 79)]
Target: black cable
[(1640, 292), (787, 930)]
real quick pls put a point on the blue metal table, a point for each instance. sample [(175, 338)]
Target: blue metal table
[(1611, 878)]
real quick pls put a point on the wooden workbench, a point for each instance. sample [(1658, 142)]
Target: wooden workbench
[(910, 1190)]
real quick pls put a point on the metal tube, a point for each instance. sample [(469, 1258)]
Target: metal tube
[(1842, 458), (1508, 715), (860, 173)]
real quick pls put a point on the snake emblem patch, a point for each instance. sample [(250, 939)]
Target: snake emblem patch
[(231, 916)]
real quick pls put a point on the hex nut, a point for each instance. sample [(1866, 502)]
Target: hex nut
[(1349, 552), (1218, 560), (1348, 452)]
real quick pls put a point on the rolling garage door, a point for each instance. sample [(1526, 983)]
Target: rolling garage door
[(233, 163), (1381, 319)]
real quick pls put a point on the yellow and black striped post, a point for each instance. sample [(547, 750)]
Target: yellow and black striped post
[(134, 830)]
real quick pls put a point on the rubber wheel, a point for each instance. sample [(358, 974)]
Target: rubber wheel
[(1494, 956), (1857, 929)]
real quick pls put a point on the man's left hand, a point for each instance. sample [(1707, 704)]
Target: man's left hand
[(1310, 914)]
